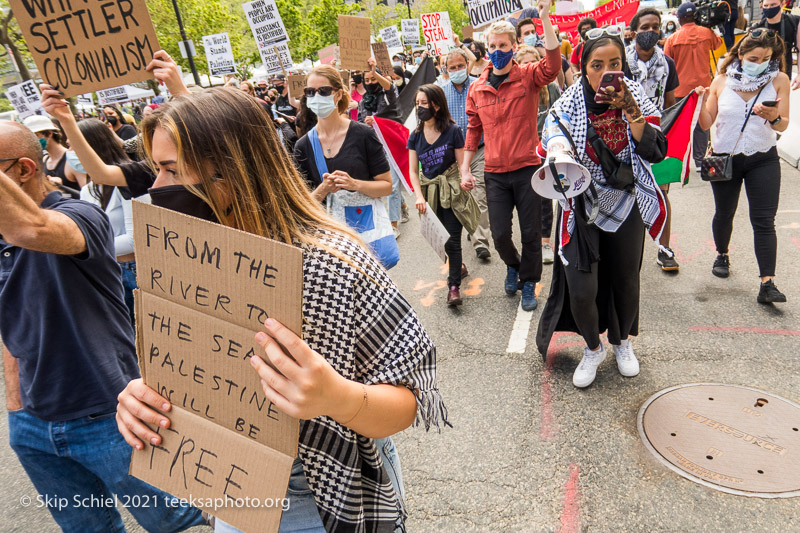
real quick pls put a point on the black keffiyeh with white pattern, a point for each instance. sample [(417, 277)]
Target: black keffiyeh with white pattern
[(355, 317)]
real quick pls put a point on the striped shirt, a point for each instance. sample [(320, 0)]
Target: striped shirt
[(457, 102)]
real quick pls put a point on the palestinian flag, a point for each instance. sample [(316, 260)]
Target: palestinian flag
[(394, 138), (677, 123)]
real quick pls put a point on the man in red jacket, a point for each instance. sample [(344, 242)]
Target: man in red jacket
[(499, 109)]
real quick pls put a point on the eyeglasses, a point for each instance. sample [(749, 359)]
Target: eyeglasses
[(310, 92), (15, 161), (596, 33), (758, 32)]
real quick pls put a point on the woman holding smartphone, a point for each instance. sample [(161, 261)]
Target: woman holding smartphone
[(750, 81), (600, 233)]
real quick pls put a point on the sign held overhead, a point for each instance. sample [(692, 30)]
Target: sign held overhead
[(410, 32), (219, 54), (81, 47), (354, 42), (438, 32), (26, 99)]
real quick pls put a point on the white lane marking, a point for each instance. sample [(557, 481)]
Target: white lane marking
[(519, 332)]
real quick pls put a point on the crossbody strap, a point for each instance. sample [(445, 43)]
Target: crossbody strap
[(739, 138)]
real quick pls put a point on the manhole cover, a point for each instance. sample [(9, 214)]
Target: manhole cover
[(727, 437)]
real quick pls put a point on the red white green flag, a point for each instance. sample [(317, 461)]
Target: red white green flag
[(677, 123)]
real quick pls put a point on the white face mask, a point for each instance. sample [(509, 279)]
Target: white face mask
[(322, 106), (398, 83)]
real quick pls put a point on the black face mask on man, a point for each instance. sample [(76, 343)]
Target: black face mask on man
[(112, 120), (647, 40), (179, 198)]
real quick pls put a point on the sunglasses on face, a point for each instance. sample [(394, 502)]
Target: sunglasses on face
[(763, 31), (323, 91), (596, 33), (15, 161)]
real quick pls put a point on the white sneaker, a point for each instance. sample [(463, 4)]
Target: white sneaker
[(547, 254), (627, 363), (396, 233), (585, 373)]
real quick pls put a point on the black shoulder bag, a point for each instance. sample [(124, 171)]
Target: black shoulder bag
[(719, 167), (618, 174)]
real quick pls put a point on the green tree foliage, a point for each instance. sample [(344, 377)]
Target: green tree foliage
[(5, 105), (322, 24)]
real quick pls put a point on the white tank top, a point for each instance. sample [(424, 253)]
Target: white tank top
[(731, 111)]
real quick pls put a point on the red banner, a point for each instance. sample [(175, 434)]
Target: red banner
[(614, 12)]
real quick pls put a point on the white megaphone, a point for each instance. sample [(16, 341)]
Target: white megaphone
[(560, 177)]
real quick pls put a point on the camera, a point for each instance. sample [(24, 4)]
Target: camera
[(711, 13)]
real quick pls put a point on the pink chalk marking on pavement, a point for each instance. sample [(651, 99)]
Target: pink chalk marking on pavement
[(759, 331), (571, 510), (547, 428), (796, 241)]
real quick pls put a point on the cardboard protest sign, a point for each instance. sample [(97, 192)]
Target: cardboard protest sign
[(434, 232), (112, 96), (354, 41), (382, 59), (391, 37), (483, 12), (410, 32), (219, 54), (84, 46), (329, 54), (467, 31), (204, 292), (26, 99), (345, 74), (438, 32), (296, 85)]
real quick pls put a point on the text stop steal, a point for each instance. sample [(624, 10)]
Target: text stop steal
[(205, 291)]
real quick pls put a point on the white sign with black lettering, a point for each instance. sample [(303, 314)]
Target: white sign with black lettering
[(112, 96), (391, 37), (268, 30), (410, 32), (26, 99), (219, 54), (434, 232)]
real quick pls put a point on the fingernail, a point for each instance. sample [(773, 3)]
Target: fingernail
[(270, 322), (154, 440), (261, 337), (164, 423), (139, 447), (263, 383), (253, 361), (164, 406), (61, 93)]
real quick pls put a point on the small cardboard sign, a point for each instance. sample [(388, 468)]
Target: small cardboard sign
[(382, 59), (296, 85), (26, 99), (345, 79), (354, 41), (329, 54), (205, 290), (434, 232), (438, 32), (391, 37), (467, 31), (81, 47), (219, 54), (112, 96), (410, 32)]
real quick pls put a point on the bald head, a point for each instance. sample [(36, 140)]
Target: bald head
[(18, 141)]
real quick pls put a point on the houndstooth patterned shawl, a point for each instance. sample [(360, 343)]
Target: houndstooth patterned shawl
[(355, 317), (614, 205)]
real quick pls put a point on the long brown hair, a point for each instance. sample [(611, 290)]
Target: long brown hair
[(435, 96), (749, 42), (227, 139)]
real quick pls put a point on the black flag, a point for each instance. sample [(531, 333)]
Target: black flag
[(426, 73)]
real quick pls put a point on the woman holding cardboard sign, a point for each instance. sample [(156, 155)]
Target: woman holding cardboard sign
[(366, 375)]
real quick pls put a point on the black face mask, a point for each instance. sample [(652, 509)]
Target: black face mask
[(279, 88), (647, 40), (372, 88), (358, 79), (112, 120), (179, 198), (424, 113)]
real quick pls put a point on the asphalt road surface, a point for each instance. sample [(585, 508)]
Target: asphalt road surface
[(529, 452)]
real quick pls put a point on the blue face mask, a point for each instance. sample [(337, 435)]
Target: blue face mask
[(754, 69), (74, 162), (531, 39), (43, 143), (500, 59), (458, 76)]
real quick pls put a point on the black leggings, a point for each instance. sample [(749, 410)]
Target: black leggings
[(618, 271), (761, 174), (547, 218), (453, 245)]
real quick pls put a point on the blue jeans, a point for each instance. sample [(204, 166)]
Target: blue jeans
[(396, 198), (78, 466), (129, 284), (302, 515)]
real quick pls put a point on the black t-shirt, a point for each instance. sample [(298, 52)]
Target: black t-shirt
[(139, 178), (495, 80), (282, 105), (672, 76), (361, 156), (126, 132), (436, 158), (789, 36)]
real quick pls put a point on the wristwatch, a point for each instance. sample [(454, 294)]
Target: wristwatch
[(776, 121)]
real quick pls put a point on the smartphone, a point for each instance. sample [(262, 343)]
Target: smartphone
[(770, 103), (612, 78)]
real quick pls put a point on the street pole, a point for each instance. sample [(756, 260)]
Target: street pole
[(186, 44), (408, 5)]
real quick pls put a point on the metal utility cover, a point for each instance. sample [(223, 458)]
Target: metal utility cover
[(731, 438)]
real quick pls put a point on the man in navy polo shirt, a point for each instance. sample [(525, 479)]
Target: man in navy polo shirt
[(63, 317)]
